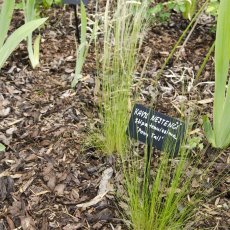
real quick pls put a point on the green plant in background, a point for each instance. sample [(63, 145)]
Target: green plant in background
[(162, 10), (219, 135), (192, 24), (48, 3), (83, 47), (31, 10), (122, 34), (159, 12), (186, 7), (212, 8), (190, 8), (7, 46), (38, 3), (31, 13)]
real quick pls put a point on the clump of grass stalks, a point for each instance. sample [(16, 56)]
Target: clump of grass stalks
[(159, 189), (124, 24)]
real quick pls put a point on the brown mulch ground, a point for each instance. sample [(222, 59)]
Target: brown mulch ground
[(48, 170)]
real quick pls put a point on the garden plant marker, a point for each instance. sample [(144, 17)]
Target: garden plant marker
[(73, 4), (219, 134), (156, 129), (80, 37)]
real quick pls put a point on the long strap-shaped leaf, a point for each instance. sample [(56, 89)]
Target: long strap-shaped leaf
[(14, 40), (5, 19), (82, 49), (221, 98)]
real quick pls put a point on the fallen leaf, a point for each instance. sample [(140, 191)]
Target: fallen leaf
[(6, 187), (195, 184), (94, 201), (26, 185), (59, 189), (51, 182), (5, 112), (104, 183), (27, 223)]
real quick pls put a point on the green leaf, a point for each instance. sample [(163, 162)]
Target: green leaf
[(209, 131), (82, 49), (83, 23), (37, 49), (5, 19), (221, 123), (213, 8), (13, 41), (157, 9), (219, 136), (189, 9), (2, 147), (18, 6), (47, 3)]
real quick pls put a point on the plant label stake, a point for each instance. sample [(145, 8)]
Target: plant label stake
[(73, 4), (156, 129)]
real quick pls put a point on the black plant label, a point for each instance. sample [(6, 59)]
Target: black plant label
[(156, 129), (75, 2)]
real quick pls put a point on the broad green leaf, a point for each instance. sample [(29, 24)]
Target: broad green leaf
[(222, 51), (29, 10), (13, 41), (79, 64), (5, 19), (2, 147)]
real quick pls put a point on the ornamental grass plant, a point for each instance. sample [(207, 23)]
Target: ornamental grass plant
[(124, 23), (165, 193), (156, 199)]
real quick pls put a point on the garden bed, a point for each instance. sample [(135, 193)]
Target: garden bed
[(50, 167)]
